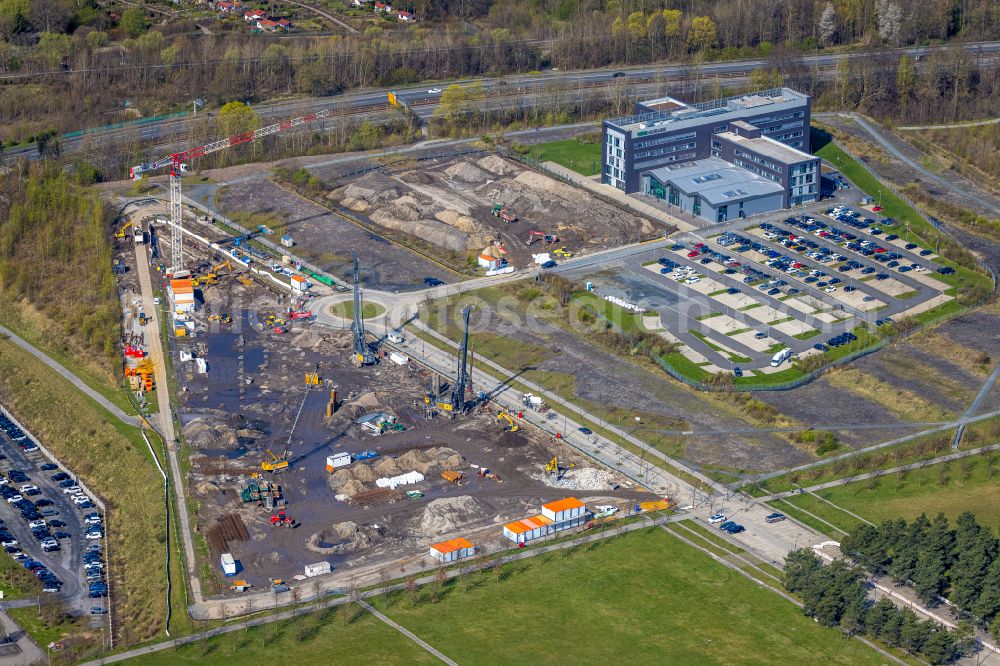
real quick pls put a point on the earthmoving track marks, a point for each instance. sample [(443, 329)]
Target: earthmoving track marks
[(229, 527), (377, 496)]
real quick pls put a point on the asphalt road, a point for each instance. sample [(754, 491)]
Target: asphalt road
[(420, 95)]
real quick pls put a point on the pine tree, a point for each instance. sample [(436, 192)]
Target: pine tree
[(975, 555), (987, 606)]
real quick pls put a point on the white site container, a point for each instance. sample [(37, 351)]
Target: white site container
[(317, 569)]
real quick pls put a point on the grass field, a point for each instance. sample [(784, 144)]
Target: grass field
[(643, 597), (584, 158), (950, 488), (345, 636), (346, 310), (113, 460)]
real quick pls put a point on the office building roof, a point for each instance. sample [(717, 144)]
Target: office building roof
[(719, 110), (716, 181), (768, 148)]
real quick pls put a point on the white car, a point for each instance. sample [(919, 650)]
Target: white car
[(36, 523), (80, 499), (830, 290), (716, 518), (72, 490), (92, 521), (14, 498), (95, 535), (27, 488), (156, 300), (434, 91)]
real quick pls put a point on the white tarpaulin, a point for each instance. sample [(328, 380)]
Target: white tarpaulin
[(401, 480)]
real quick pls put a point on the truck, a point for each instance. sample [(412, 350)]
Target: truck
[(781, 357)]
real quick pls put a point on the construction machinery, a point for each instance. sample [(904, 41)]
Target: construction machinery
[(535, 236), (204, 280), (141, 376), (562, 252), (312, 379), (362, 353), (456, 401), (178, 166), (228, 265), (125, 227), (275, 463), (281, 519), (553, 467), (511, 424), (501, 211)]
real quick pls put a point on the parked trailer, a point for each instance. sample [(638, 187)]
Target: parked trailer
[(317, 569), (228, 564)]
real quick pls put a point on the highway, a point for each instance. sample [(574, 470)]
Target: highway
[(420, 96)]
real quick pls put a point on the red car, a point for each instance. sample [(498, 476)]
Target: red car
[(693, 253), (879, 250)]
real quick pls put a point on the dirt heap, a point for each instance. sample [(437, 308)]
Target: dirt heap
[(467, 173), (451, 513), (388, 467), (342, 539), (366, 192), (363, 472), (211, 432), (365, 404), (498, 165), (313, 340), (585, 478)]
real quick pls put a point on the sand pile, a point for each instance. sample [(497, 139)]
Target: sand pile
[(467, 173), (431, 231), (450, 513), (364, 404), (414, 460), (210, 432), (363, 472), (498, 165), (350, 489), (340, 539), (388, 467), (206, 488), (537, 181), (364, 194)]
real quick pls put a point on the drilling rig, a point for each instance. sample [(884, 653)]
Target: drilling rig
[(362, 353), (456, 402)]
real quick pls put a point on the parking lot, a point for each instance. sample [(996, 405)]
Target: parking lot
[(750, 301), (49, 525)]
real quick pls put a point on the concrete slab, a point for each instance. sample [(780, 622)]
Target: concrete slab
[(750, 341), (925, 306), (793, 327), (723, 324), (929, 280)]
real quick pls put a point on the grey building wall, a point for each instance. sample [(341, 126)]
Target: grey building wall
[(642, 152), (747, 207)]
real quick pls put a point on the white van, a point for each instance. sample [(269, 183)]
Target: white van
[(780, 357), (395, 336)]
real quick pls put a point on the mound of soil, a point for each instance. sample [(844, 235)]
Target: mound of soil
[(341, 539), (467, 173), (498, 165), (211, 432), (364, 472), (450, 513)]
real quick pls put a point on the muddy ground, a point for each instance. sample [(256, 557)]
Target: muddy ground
[(254, 398), (448, 203)]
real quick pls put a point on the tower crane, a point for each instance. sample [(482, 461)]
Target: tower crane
[(362, 354), (178, 165)]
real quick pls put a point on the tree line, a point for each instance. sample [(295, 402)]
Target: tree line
[(836, 596), (960, 564)]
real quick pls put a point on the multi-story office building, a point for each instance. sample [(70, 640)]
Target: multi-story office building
[(685, 153)]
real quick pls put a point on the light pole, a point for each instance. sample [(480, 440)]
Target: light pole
[(796, 545)]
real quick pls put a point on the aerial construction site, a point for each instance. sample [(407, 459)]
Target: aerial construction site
[(312, 445)]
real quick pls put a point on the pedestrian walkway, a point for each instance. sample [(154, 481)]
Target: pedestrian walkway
[(406, 632), (70, 377)]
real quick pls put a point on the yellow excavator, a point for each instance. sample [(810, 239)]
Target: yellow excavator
[(121, 232), (312, 379), (225, 264), (511, 424), (552, 466), (275, 464)]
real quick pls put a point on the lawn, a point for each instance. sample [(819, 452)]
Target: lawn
[(344, 635), (644, 597), (946, 487), (112, 459), (584, 158), (345, 309)]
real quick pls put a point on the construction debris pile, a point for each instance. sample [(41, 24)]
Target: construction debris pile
[(448, 514)]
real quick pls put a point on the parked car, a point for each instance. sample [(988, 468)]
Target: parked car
[(775, 517), (716, 518)]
